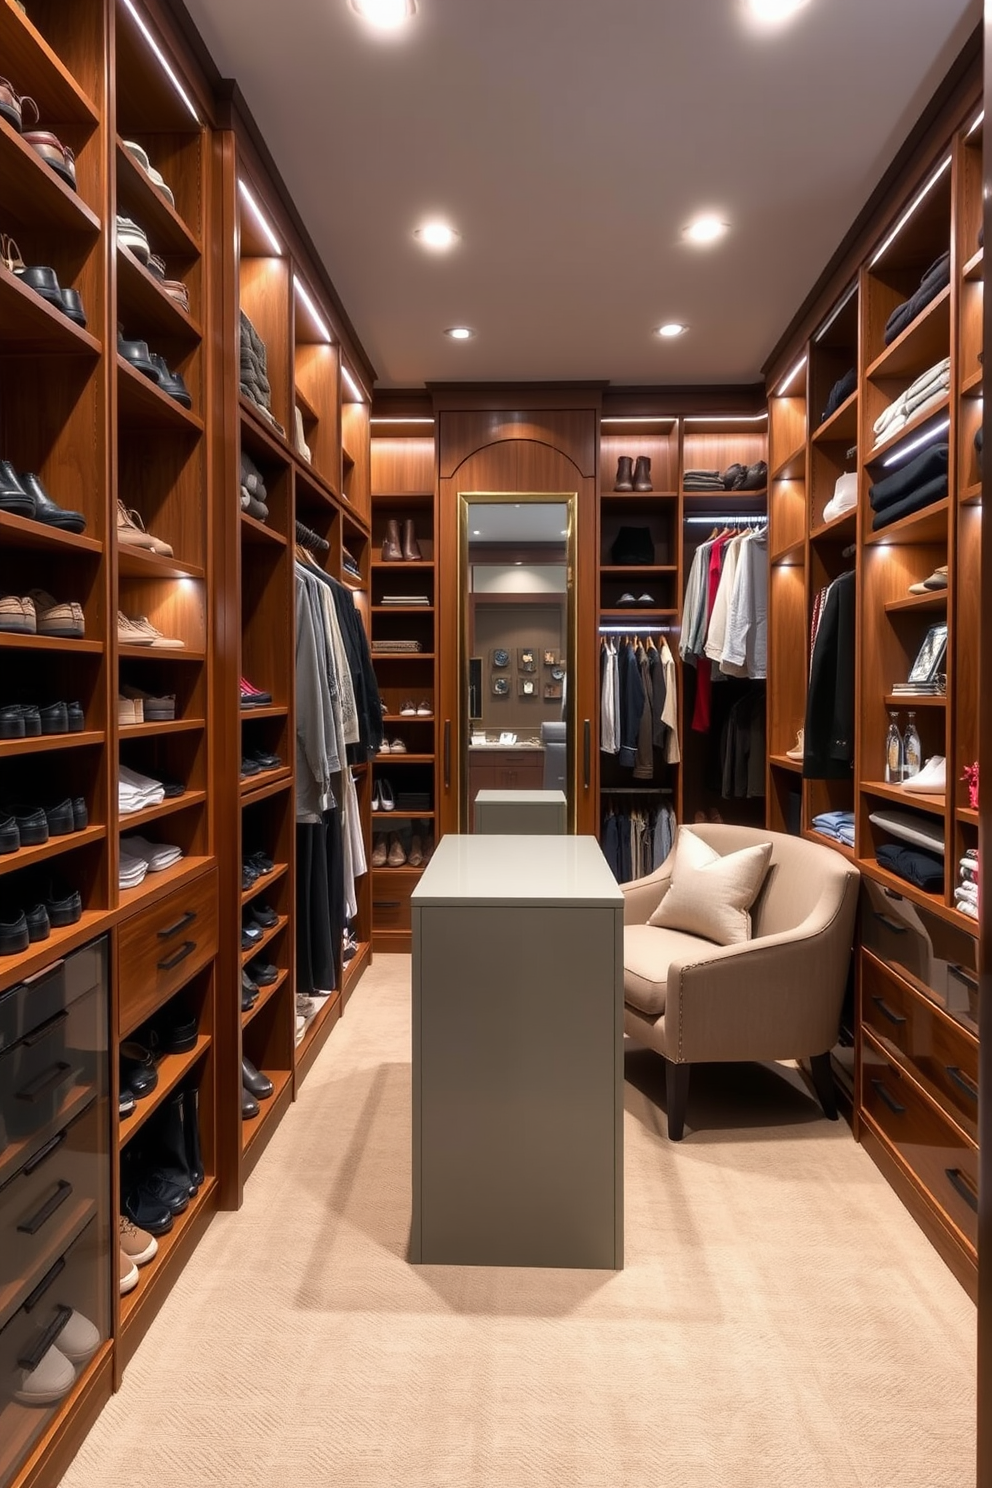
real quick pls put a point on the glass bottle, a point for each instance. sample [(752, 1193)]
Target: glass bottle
[(894, 755), (911, 750)]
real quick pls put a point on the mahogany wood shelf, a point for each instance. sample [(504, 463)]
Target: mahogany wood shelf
[(137, 819), (840, 529), (906, 433), (842, 425), (32, 192), (423, 565), (161, 653), (143, 404), (974, 268), (31, 325), (792, 466), (261, 885), (935, 600), (933, 804), (924, 342), (266, 938), (171, 1069), (165, 228), (154, 310), (53, 848), (168, 726), (967, 814), (269, 710), (265, 995), (254, 789), (54, 89), (972, 495), (142, 563), (971, 387), (254, 531), (155, 885), (922, 527), (9, 640), (269, 1110), (42, 743), (783, 762), (22, 532), (903, 700)]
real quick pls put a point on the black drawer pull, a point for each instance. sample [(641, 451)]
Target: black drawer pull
[(32, 1360), (887, 1012), (47, 1080), (962, 1187), (962, 1081), (44, 1284), (45, 1153), (891, 924), (170, 930), (45, 1031), (385, 904), (890, 1100), (186, 949), (33, 1225), (963, 976)]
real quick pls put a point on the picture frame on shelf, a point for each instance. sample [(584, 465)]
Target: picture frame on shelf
[(930, 657)]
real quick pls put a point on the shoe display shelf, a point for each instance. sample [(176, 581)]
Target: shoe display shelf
[(908, 1056), (403, 508)]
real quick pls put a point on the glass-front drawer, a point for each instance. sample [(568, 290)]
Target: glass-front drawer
[(932, 954), (50, 1200), (50, 1074), (48, 1342)]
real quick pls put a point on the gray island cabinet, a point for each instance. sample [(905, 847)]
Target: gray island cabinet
[(518, 1055)]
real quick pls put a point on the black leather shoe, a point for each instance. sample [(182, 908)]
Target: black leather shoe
[(247, 938), (147, 1211), (263, 973), (54, 718), (61, 818), (138, 1068), (254, 1081), (13, 497), (76, 718), (260, 862), (170, 382), (249, 993), (71, 304), (10, 836), (136, 354), (249, 767), (13, 932), (48, 511), (11, 721), (263, 759), (31, 823), (65, 906), (264, 915), (39, 925), (43, 280), (125, 1102), (80, 815), (173, 1030), (191, 1126), (248, 875), (249, 1105)]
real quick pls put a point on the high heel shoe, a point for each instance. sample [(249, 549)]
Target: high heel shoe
[(375, 798), (387, 801)]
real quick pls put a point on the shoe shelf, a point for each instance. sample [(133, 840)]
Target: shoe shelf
[(174, 1248), (143, 405), (141, 563), (151, 730), (918, 603), (783, 762), (155, 886), (407, 718), (166, 230), (27, 55), (160, 653), (270, 710), (386, 872), (42, 953), (53, 848), (405, 759), (934, 805), (9, 640), (43, 743), (254, 531), (268, 936), (265, 882), (425, 565), (30, 325), (149, 305), (21, 532), (270, 1111), (137, 819), (32, 192), (317, 1031), (352, 970), (265, 994), (387, 816), (267, 783), (171, 1069)]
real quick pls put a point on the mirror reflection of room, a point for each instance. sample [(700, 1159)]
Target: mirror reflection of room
[(517, 645)]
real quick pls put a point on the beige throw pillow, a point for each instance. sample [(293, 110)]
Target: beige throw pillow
[(710, 895)]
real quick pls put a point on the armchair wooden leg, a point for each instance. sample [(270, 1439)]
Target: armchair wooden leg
[(677, 1093), (823, 1079)]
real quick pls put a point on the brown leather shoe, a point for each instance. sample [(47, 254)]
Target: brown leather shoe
[(380, 851), (415, 856), (392, 551), (54, 153), (12, 106), (411, 547), (397, 857)]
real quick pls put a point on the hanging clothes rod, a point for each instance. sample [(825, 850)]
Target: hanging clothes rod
[(752, 519), (637, 629)]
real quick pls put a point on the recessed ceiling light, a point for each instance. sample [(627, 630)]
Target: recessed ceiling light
[(436, 235), (476, 532), (385, 15), (705, 229), (771, 12), (671, 329), (460, 333)]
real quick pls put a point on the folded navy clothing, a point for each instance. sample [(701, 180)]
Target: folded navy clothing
[(914, 865), (936, 277), (913, 501), (840, 392), (926, 466)]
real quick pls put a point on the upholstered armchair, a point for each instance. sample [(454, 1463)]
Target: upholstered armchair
[(775, 996)]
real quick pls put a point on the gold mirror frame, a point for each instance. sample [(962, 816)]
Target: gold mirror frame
[(466, 500)]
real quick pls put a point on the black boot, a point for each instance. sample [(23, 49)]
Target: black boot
[(191, 1123), (170, 1152), (642, 474), (625, 479)]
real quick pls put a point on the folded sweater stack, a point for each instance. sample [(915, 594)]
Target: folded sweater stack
[(736, 477), (966, 893), (917, 484), (936, 278), (253, 492), (839, 393), (836, 824), (929, 389), (254, 373)]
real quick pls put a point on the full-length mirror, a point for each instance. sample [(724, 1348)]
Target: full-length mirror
[(517, 633)]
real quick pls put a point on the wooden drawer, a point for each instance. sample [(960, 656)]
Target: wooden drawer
[(161, 947), (391, 899), (943, 1055), (943, 1162), (923, 947)]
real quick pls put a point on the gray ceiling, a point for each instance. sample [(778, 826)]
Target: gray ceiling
[(569, 141)]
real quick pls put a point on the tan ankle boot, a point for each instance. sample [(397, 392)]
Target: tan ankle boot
[(392, 552), (411, 547)]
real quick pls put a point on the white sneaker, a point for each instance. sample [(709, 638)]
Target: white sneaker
[(128, 1273), (79, 1339), (46, 1384), (931, 780), (799, 748)]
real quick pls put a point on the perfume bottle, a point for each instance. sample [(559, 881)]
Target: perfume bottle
[(894, 755), (911, 750)]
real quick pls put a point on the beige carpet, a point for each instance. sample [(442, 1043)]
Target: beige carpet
[(781, 1319)]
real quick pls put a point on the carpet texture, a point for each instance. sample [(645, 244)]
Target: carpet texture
[(781, 1319)]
